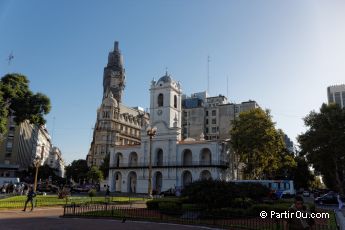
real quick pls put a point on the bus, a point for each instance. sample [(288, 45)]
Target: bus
[(9, 180), (280, 188)]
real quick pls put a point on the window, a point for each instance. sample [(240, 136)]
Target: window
[(337, 98), (206, 113), (214, 121), (214, 112), (175, 101), (206, 121), (214, 129), (160, 100), (206, 130)]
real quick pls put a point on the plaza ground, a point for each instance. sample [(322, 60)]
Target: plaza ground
[(48, 219)]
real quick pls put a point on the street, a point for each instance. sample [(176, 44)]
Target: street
[(48, 219)]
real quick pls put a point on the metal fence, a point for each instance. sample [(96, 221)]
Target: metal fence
[(189, 217), (53, 201)]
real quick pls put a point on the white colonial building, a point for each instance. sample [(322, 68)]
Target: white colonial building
[(175, 162)]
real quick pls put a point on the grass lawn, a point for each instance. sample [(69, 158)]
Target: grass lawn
[(52, 200)]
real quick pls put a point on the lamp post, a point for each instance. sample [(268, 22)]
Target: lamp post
[(151, 132), (37, 163)]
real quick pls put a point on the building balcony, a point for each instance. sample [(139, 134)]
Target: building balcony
[(179, 164)]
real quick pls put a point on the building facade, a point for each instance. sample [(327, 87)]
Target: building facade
[(116, 123), (210, 116), (55, 161), (336, 94), (175, 162), (21, 145)]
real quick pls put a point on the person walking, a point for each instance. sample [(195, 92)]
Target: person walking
[(30, 197), (304, 222), (340, 202)]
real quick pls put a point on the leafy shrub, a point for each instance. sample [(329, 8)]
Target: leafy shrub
[(92, 193), (241, 203), (255, 209), (209, 193), (170, 207), (225, 213), (220, 194), (191, 207), (154, 204), (254, 191)]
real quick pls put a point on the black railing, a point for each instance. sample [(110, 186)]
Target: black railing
[(178, 164), (192, 217)]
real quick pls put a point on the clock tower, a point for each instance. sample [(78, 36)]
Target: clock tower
[(165, 105), (114, 74)]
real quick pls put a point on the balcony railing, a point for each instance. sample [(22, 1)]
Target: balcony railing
[(174, 164)]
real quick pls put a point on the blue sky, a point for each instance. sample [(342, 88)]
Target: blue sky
[(283, 54)]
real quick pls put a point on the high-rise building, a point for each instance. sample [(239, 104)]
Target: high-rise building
[(116, 123), (21, 145), (211, 117), (336, 94)]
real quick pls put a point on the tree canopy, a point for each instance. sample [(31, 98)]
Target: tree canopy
[(77, 170), (259, 145), (94, 174), (105, 165), (18, 100), (323, 144)]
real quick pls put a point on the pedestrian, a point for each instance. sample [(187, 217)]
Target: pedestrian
[(340, 202), (30, 197), (107, 192), (304, 222)]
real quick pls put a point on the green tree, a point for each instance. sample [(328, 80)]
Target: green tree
[(105, 166), (302, 175), (258, 144), (94, 174), (77, 170), (16, 96), (323, 144)]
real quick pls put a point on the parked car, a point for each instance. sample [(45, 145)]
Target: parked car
[(329, 198), (169, 192)]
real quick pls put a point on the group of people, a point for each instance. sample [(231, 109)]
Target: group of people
[(10, 188)]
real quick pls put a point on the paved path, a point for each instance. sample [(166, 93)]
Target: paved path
[(48, 219)]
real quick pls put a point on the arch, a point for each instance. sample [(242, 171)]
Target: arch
[(205, 175), (118, 181), (160, 99), (132, 182), (205, 156), (133, 159), (158, 182), (175, 101), (187, 157), (159, 158), (186, 178), (118, 159)]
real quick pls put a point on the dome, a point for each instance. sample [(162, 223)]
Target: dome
[(110, 100), (165, 79)]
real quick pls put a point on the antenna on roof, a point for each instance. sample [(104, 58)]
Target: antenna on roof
[(208, 73), (227, 87)]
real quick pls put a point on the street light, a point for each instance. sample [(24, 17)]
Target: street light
[(151, 132), (37, 163)]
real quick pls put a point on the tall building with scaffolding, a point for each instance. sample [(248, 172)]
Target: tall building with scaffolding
[(116, 124)]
